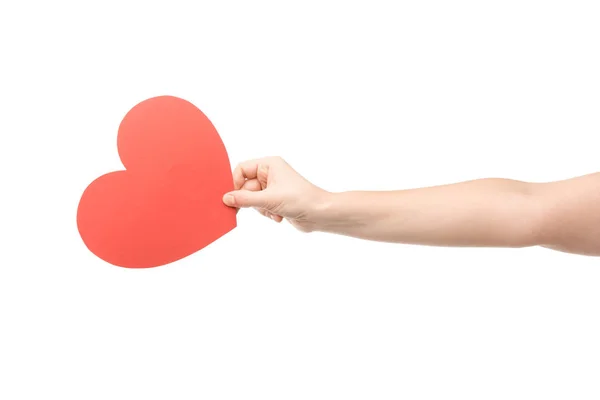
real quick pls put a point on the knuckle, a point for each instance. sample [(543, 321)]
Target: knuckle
[(239, 167)]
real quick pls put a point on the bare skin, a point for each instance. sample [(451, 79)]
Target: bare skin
[(493, 212)]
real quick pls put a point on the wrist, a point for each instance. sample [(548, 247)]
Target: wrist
[(336, 212)]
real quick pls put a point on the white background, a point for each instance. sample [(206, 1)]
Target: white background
[(355, 95)]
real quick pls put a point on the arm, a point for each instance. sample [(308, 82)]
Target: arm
[(486, 212), (562, 215)]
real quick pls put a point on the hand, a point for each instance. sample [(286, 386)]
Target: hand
[(272, 187)]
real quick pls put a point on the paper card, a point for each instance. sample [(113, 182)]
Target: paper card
[(167, 203)]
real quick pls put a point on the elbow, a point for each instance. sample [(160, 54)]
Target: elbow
[(526, 221)]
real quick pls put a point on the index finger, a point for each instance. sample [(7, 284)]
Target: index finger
[(249, 169), (245, 170)]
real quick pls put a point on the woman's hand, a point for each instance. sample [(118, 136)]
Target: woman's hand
[(272, 187), (561, 215)]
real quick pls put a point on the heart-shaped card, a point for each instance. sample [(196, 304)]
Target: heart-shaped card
[(167, 203)]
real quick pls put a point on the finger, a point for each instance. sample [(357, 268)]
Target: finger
[(246, 198), (252, 185), (243, 171), (261, 211), (249, 170), (274, 217), (262, 175)]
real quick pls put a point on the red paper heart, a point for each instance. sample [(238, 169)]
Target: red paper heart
[(167, 204)]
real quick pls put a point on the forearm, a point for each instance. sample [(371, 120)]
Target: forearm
[(485, 212)]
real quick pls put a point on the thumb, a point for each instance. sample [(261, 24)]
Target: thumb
[(245, 198)]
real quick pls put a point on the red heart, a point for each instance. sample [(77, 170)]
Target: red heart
[(167, 204)]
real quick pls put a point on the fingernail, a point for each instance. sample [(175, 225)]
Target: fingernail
[(229, 200)]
